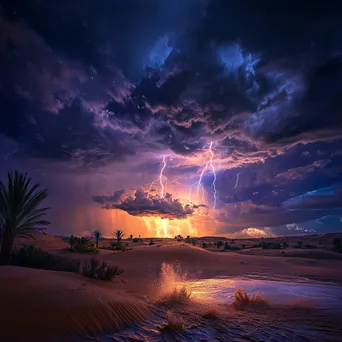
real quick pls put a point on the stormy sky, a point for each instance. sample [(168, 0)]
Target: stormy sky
[(97, 97)]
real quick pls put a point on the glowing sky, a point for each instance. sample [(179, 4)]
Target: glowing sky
[(123, 109)]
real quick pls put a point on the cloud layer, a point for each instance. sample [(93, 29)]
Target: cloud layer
[(111, 84)]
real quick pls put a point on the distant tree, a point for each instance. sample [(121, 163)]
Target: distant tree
[(188, 237), (97, 234), (72, 241), (337, 242), (285, 245), (131, 237), (219, 244), (300, 244), (19, 211), (233, 241), (119, 235), (337, 245)]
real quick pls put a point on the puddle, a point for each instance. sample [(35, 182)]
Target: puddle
[(222, 290)]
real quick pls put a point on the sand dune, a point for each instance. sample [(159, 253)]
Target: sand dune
[(41, 305)]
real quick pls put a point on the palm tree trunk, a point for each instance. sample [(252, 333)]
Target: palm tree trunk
[(6, 250)]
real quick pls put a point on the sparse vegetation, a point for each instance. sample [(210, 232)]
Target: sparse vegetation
[(20, 214), (100, 270), (177, 296), (81, 244), (243, 301), (219, 244), (231, 247), (151, 242), (118, 235), (299, 244), (285, 245), (204, 245), (174, 323), (33, 257), (136, 240), (97, 234), (337, 245)]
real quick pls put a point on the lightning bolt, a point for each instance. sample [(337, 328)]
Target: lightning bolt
[(237, 180), (199, 183), (162, 186)]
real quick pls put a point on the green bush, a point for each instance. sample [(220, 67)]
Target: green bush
[(81, 244), (31, 256), (100, 270), (231, 247), (135, 240), (219, 244)]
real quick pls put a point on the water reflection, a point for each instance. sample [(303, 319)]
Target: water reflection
[(222, 290)]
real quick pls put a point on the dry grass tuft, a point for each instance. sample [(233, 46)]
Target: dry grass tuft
[(243, 301), (173, 323), (177, 296), (211, 313)]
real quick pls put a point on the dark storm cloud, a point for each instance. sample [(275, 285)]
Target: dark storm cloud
[(247, 214), (95, 82), (145, 204)]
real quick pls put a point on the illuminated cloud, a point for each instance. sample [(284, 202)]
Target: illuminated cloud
[(143, 203)]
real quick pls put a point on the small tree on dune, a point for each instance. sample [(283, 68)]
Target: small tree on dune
[(119, 235), (97, 234), (19, 211)]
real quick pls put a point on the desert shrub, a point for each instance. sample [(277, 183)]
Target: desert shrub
[(193, 242), (309, 246), (269, 245), (66, 265), (231, 247), (285, 245), (244, 246), (204, 245), (100, 270), (299, 244), (174, 323), (337, 245), (151, 242), (219, 244), (31, 256), (135, 240), (177, 296), (243, 301), (81, 244)]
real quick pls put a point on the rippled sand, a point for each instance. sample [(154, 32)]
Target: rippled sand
[(141, 304)]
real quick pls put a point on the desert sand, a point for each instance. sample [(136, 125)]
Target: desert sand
[(39, 305)]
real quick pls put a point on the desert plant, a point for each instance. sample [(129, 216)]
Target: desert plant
[(131, 237), (68, 265), (118, 235), (100, 270), (285, 245), (204, 245), (337, 245), (151, 242), (97, 234), (81, 244), (31, 256), (135, 240), (219, 244), (72, 241), (299, 244), (19, 211), (174, 323)]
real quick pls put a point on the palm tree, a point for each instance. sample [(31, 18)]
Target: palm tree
[(118, 235), (97, 234), (19, 211)]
